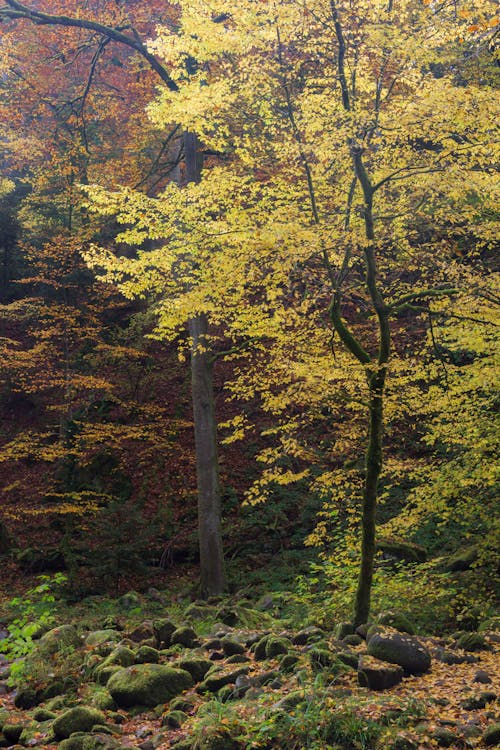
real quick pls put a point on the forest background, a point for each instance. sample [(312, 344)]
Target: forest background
[(332, 259)]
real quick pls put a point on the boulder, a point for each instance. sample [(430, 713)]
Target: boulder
[(402, 649), (77, 719), (396, 620), (147, 655), (197, 668), (26, 698), (184, 636), (276, 646), (163, 630), (462, 560), (491, 737), (98, 637), (216, 738), (378, 675), (232, 647), (472, 642), (217, 680), (400, 549), (148, 684), (65, 636)]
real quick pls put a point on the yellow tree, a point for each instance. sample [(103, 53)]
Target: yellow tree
[(347, 144)]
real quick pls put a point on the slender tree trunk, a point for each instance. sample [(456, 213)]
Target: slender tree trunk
[(207, 466), (212, 577), (373, 468)]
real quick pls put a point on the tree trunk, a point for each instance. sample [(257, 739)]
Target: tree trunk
[(207, 466), (212, 577), (372, 473)]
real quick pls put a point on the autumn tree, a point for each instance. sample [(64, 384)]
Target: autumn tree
[(347, 145)]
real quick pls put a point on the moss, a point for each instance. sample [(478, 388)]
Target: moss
[(148, 684), (77, 719)]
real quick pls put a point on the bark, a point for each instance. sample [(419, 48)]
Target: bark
[(207, 466), (212, 575)]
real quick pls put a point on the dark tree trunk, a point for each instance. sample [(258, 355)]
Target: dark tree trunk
[(207, 467)]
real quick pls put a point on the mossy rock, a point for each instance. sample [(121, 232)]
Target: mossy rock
[(99, 742), (26, 698), (148, 684), (378, 675), (4, 717), (58, 639), (402, 649), (217, 680), (163, 629), (181, 704), (396, 620), (201, 611), (12, 732), (472, 642), (184, 636), (259, 648), (77, 719), (491, 737), (31, 730), (462, 560), (276, 646), (174, 719), (348, 658), (197, 668), (121, 656), (343, 629), (43, 714), (103, 674), (402, 550), (288, 663), (444, 737), (490, 625), (216, 738), (99, 637), (129, 601), (232, 647), (75, 742), (307, 635), (104, 701), (321, 658), (352, 640), (147, 655)]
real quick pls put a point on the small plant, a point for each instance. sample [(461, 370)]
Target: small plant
[(34, 614)]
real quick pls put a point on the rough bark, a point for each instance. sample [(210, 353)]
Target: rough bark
[(207, 467)]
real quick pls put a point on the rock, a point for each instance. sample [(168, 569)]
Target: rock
[(276, 646), (181, 704), (238, 659), (25, 699), (216, 738), (490, 625), (476, 702), (400, 549), (129, 601), (491, 737), (259, 648), (98, 637), (348, 658), (227, 615), (174, 719), (378, 675), (463, 560), (482, 677), (307, 635), (197, 668), (217, 680), (12, 732), (78, 719), (290, 701), (444, 737), (104, 701), (200, 611), (352, 640), (184, 636), (402, 649), (321, 658), (147, 655), (147, 684), (232, 647), (57, 639), (163, 630), (43, 714), (450, 657), (288, 663), (143, 632), (343, 629), (396, 620), (472, 642), (157, 596)]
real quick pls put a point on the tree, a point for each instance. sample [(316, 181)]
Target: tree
[(345, 152), (71, 114)]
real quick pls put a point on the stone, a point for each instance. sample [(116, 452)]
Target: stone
[(26, 698), (321, 658), (184, 636), (352, 640), (444, 736), (43, 714), (217, 680), (129, 601), (12, 732), (307, 635), (343, 629), (276, 646), (142, 633), (216, 738), (378, 675), (232, 647), (57, 639), (396, 620), (197, 668), (174, 719), (104, 701), (77, 719), (148, 684), (463, 560), (163, 630), (147, 655), (259, 648), (98, 637), (482, 677), (491, 737), (472, 642), (400, 549), (402, 649), (348, 658), (288, 663)]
